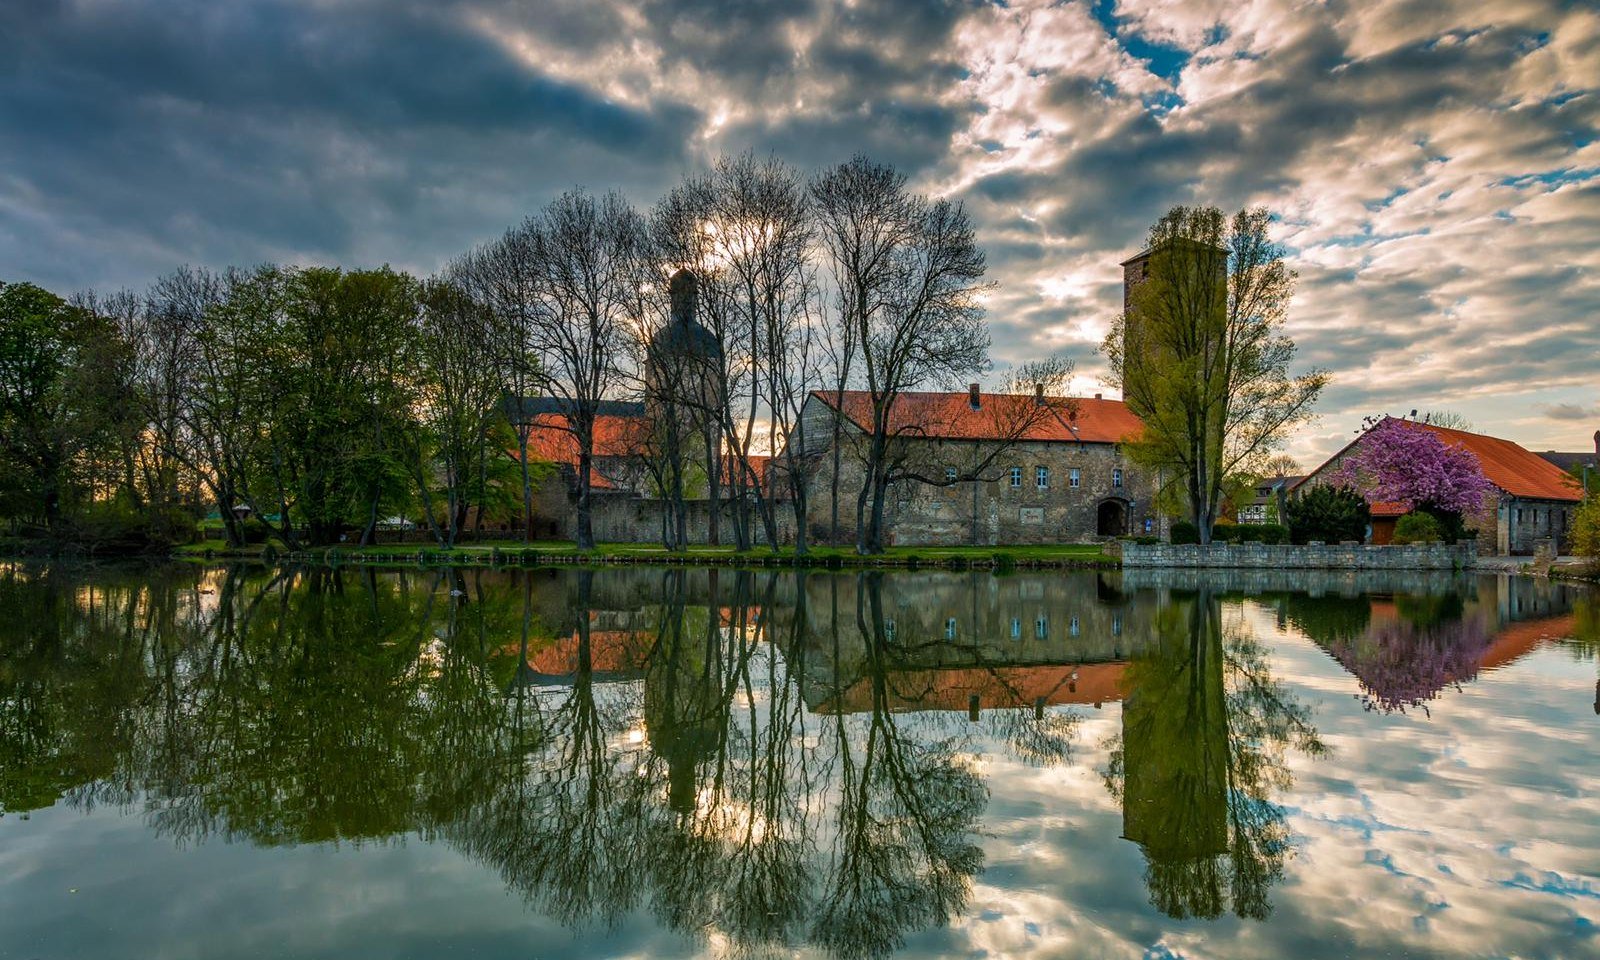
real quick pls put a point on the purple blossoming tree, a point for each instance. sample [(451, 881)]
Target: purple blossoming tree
[(1403, 462)]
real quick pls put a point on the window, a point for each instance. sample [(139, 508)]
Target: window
[(1074, 477), (1148, 524), (1519, 514), (950, 629), (1041, 627), (1041, 477), (1016, 628), (950, 474), (1016, 477), (1116, 477), (888, 629), (1116, 625), (1072, 626)]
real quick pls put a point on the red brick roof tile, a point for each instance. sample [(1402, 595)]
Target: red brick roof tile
[(950, 416)]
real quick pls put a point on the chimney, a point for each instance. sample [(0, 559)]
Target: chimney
[(1097, 396), (1038, 393), (972, 395)]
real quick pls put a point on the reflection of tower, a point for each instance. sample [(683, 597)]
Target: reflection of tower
[(1175, 756), (684, 702)]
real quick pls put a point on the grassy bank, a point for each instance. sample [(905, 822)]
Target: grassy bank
[(560, 553)]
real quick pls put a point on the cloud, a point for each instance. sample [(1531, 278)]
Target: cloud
[(1434, 163), (1570, 411)]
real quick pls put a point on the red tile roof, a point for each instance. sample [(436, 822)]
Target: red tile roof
[(950, 416), (1508, 466), (995, 687), (550, 440)]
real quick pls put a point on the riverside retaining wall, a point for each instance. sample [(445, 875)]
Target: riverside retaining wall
[(1310, 556)]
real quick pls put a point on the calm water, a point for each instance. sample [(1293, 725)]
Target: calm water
[(229, 763)]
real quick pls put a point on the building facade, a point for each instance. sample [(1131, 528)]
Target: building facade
[(1064, 479)]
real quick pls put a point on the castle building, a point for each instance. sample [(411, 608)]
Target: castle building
[(1064, 479)]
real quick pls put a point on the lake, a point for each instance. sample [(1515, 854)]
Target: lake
[(237, 762)]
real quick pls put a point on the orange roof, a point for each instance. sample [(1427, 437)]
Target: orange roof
[(1510, 467), (995, 688), (610, 652), (1389, 508), (1517, 639), (551, 440), (950, 416)]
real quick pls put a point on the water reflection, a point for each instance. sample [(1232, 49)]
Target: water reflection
[(766, 760)]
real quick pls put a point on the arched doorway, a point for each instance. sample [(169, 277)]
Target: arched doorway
[(1112, 518)]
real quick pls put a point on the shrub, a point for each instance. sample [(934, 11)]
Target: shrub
[(1329, 514), (1584, 538), (1250, 533), (1185, 532), (1418, 527)]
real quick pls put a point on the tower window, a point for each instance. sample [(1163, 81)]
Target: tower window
[(1016, 477), (1041, 627), (1016, 628), (1041, 477), (1074, 477), (950, 474), (950, 629), (888, 629), (1116, 477)]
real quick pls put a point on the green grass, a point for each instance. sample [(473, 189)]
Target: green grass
[(480, 550)]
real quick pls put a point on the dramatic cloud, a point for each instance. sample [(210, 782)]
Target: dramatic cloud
[(1434, 164)]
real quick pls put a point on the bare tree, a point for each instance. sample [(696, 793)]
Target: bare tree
[(762, 234), (589, 257), (907, 274), (505, 275)]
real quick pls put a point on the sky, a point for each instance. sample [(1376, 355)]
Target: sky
[(1433, 164)]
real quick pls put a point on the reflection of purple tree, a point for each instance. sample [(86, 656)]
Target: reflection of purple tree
[(1402, 664)]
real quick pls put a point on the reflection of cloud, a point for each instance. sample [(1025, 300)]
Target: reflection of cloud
[(1435, 164)]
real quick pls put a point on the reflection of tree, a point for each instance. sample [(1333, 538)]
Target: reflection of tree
[(1205, 730), (356, 706), (1405, 657), (903, 854)]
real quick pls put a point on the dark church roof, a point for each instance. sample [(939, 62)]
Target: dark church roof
[(686, 339), (523, 409)]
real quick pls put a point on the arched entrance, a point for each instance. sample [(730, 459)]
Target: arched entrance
[(1112, 518)]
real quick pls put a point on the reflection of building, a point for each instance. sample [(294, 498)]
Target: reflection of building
[(1406, 648), (963, 642)]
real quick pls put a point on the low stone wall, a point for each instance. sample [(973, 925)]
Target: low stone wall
[(1311, 556)]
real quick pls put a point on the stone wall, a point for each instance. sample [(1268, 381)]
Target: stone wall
[(1313, 556)]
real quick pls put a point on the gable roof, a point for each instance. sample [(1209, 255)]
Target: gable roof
[(1512, 469), (950, 416), (552, 441)]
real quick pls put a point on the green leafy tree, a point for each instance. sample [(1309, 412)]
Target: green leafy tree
[(1328, 514), (1201, 357), (63, 403), (1418, 527)]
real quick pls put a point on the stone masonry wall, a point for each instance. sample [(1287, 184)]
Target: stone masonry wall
[(1313, 556)]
